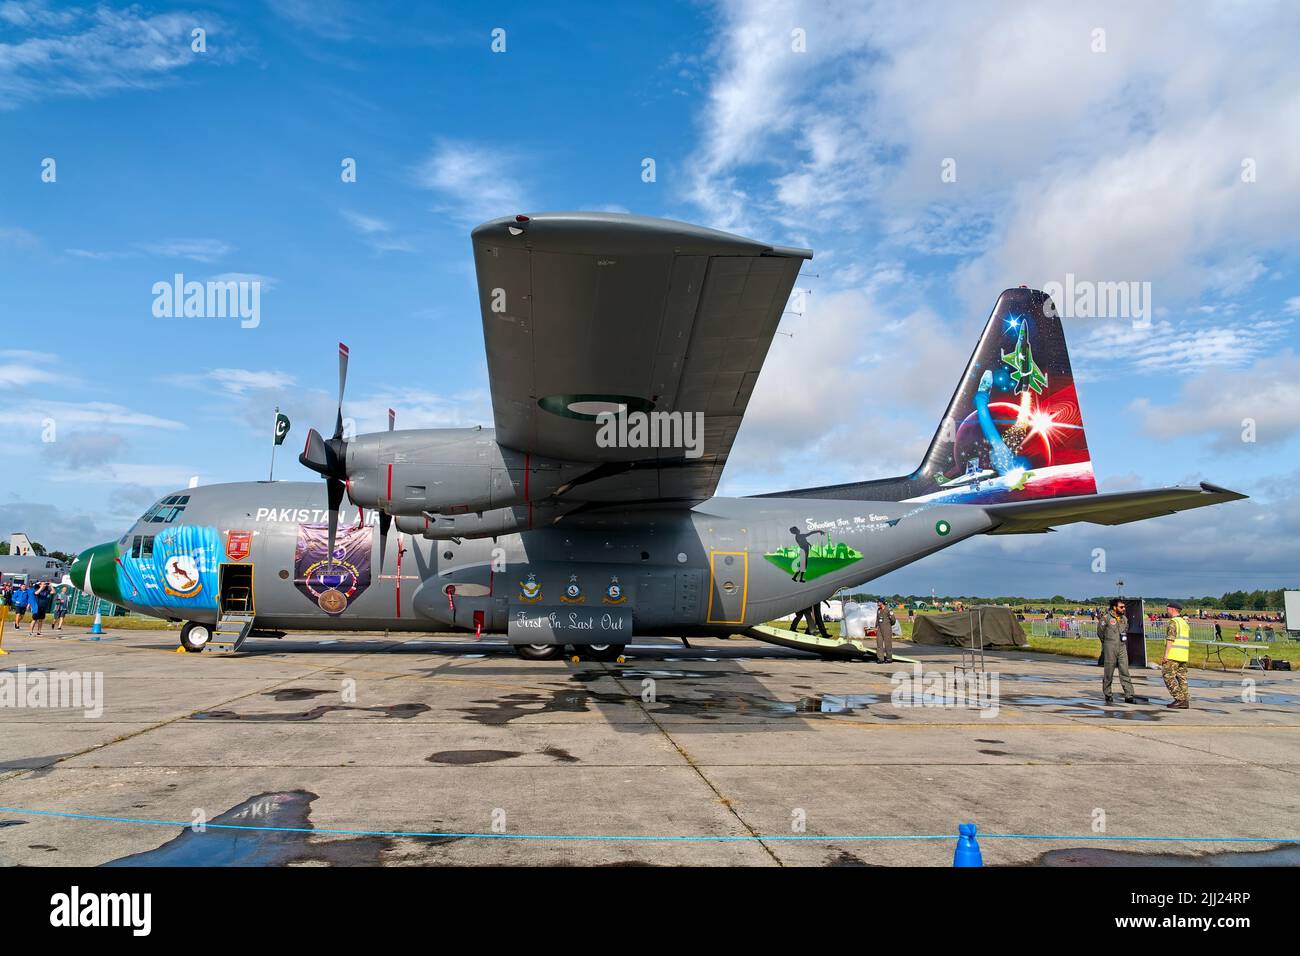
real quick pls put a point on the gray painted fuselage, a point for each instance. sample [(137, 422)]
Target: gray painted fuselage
[(714, 567)]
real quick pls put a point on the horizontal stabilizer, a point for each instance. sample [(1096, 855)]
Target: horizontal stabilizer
[(1029, 517)]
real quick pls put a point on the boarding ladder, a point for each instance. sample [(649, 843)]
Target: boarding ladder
[(231, 631)]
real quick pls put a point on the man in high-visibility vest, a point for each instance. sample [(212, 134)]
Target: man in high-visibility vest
[(1178, 646)]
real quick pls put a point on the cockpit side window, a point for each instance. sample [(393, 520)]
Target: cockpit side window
[(166, 511)]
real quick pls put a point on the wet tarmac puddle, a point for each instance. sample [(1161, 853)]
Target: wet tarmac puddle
[(462, 757), (709, 707), (402, 711), (1097, 856), (269, 847)]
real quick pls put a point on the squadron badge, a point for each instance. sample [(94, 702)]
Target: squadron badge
[(573, 592), (530, 592), (614, 593)]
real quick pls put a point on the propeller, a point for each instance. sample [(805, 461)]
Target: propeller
[(328, 458), (385, 519)]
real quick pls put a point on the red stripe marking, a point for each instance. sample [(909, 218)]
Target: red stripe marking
[(390, 484)]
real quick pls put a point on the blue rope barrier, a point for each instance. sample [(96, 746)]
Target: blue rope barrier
[(614, 838)]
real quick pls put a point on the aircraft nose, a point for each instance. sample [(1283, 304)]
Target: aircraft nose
[(78, 572), (95, 572)]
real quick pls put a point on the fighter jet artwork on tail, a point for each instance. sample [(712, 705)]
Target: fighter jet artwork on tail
[(539, 530)]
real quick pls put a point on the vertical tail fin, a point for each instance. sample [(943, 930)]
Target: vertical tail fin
[(1013, 430)]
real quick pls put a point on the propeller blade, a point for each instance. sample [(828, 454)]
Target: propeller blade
[(385, 522), (343, 380), (315, 453), (392, 419), (334, 491)]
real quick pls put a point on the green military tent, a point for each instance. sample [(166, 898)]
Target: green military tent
[(997, 627)]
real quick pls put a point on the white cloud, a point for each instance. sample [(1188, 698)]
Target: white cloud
[(1189, 345), (267, 283), (474, 182), (1125, 164), (33, 412), (1268, 394), (200, 250), (19, 374), (83, 51), (854, 394), (82, 450), (419, 409), (238, 381), (17, 236), (21, 367), (377, 233), (130, 473)]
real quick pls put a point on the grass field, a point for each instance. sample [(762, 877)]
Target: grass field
[(1090, 648)]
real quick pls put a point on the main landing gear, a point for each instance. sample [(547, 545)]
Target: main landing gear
[(590, 652), (540, 652)]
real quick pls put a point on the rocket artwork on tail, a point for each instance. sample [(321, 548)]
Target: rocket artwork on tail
[(1012, 431)]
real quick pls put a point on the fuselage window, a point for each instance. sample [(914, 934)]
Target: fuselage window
[(146, 547), (135, 546)]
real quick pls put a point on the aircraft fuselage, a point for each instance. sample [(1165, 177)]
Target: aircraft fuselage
[(721, 566)]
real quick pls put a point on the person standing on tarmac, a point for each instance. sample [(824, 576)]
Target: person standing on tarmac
[(1178, 646), (1113, 631), (884, 632)]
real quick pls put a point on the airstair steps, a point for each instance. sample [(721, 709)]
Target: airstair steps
[(230, 633)]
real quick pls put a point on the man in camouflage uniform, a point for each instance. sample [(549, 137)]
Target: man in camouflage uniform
[(1177, 651)]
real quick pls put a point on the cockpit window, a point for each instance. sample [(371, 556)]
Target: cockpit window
[(167, 510)]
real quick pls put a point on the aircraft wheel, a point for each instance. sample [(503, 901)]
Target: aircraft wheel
[(539, 652), (600, 652), (195, 636)]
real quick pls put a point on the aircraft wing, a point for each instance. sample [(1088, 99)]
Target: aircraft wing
[(1030, 517), (584, 312)]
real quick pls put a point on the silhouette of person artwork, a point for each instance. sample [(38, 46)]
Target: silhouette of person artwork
[(801, 559)]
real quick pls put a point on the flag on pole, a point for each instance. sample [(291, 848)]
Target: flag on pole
[(281, 427)]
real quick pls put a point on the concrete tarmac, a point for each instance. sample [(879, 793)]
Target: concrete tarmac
[(732, 738)]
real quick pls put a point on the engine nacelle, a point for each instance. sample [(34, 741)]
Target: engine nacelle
[(488, 524), (447, 471)]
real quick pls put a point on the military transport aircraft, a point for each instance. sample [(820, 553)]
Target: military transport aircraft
[(22, 565), (548, 531)]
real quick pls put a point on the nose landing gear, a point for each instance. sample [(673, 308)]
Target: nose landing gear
[(195, 637)]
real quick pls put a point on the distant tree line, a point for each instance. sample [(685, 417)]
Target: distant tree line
[(1259, 600)]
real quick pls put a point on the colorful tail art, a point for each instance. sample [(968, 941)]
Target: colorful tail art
[(1013, 430)]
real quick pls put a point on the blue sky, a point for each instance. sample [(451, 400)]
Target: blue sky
[(813, 124)]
